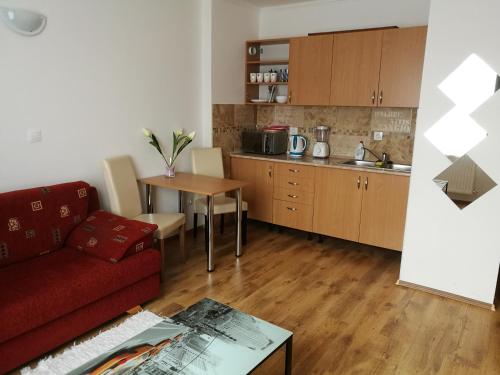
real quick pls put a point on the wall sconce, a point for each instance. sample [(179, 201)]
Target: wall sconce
[(24, 22)]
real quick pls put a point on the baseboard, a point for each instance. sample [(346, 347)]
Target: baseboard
[(440, 293)]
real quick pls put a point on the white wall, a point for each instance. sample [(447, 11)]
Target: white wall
[(446, 248), (233, 22), (320, 16), (100, 72)]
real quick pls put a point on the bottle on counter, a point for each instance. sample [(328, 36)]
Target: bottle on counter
[(359, 153)]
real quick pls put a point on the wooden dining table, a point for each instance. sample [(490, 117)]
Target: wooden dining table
[(202, 185)]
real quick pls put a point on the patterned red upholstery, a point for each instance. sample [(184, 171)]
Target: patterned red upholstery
[(44, 288), (111, 237), (37, 221)]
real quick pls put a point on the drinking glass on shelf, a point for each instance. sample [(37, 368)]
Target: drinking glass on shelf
[(260, 77), (253, 77)]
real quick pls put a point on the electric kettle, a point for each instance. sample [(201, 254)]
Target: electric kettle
[(298, 145)]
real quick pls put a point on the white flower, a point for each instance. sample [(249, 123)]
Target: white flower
[(147, 132), (179, 132), (191, 135)]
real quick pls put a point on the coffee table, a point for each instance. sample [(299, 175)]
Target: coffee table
[(206, 338)]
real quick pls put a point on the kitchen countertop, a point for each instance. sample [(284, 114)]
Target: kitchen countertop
[(309, 160)]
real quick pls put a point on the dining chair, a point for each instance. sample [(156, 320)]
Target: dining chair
[(208, 162), (125, 200)]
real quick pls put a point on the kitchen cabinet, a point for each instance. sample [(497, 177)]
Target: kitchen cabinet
[(378, 68), (337, 203), (356, 68), (361, 206), (310, 62), (383, 210), (401, 67), (259, 194)]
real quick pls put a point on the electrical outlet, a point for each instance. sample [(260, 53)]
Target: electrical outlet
[(293, 130), (378, 136), (34, 135)]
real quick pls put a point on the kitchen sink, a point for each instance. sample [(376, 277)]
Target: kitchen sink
[(371, 164)]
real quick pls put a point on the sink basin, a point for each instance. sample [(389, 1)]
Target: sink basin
[(371, 164)]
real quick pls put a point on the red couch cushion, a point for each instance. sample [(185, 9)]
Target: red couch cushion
[(111, 237), (37, 221), (42, 289)]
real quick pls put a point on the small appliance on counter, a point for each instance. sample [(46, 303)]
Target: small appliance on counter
[(268, 141), (298, 145), (321, 148)]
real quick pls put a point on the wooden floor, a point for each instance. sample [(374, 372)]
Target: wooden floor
[(340, 301)]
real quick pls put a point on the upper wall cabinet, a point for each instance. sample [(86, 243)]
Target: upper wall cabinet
[(401, 67), (356, 68), (378, 68), (310, 70)]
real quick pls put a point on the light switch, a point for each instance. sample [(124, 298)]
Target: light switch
[(34, 135), (378, 136), (293, 130)]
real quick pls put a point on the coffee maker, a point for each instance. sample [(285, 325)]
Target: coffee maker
[(321, 148)]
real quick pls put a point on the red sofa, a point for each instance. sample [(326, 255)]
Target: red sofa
[(51, 293)]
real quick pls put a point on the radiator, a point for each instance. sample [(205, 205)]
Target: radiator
[(460, 176)]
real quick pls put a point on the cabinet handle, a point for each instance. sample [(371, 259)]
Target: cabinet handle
[(366, 183), (290, 98), (291, 208), (373, 97), (359, 182), (292, 196), (293, 183), (270, 172), (381, 97), (294, 170)]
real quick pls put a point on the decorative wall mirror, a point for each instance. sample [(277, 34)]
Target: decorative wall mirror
[(456, 133), (24, 22)]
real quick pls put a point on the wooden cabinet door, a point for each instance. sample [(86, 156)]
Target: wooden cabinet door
[(310, 62), (383, 210), (259, 194), (356, 68), (401, 68), (337, 203)]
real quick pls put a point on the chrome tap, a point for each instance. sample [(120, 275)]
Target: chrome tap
[(385, 156)]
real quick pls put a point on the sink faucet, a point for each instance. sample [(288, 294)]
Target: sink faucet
[(384, 159)]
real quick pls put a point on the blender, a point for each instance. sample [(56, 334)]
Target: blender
[(321, 148)]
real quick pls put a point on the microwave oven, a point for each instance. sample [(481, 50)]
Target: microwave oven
[(267, 142)]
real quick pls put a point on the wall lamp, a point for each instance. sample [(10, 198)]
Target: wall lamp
[(24, 22)]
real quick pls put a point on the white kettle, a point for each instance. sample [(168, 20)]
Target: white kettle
[(298, 145)]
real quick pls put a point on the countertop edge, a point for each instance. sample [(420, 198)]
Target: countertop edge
[(312, 163)]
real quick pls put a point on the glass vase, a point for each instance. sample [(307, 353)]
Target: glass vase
[(170, 171)]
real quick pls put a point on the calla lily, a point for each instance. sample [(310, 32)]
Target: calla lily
[(192, 135), (179, 132), (147, 132), (179, 143)]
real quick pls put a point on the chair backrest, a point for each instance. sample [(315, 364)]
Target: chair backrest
[(121, 183), (207, 162)]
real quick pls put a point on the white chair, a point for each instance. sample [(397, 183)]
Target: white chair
[(125, 200), (208, 162)]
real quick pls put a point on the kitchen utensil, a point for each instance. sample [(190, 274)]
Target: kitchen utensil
[(298, 145), (321, 148), (253, 77), (267, 77), (282, 99)]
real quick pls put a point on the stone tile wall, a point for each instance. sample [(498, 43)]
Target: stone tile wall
[(348, 126)]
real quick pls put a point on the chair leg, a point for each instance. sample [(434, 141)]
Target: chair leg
[(182, 241), (162, 252), (206, 234), (195, 225), (222, 224), (244, 227)]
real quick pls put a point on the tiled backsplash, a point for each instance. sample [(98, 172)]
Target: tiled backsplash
[(348, 126)]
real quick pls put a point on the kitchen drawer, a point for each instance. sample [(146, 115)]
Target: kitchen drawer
[(294, 183), (293, 215), (293, 195), (294, 170)]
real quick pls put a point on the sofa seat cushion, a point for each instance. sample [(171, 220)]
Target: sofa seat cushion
[(37, 221), (111, 237), (45, 288)]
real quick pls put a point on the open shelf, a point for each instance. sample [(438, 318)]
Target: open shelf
[(270, 62), (267, 83)]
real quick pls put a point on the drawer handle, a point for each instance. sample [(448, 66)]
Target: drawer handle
[(366, 183), (294, 170), (292, 196), (291, 208), (359, 181), (293, 183)]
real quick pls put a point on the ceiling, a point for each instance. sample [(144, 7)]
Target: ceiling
[(270, 3)]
